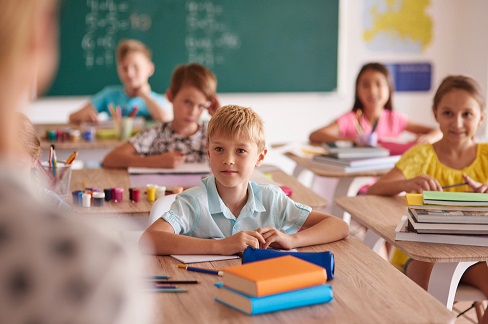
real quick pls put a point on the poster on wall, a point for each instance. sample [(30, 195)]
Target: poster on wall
[(401, 27)]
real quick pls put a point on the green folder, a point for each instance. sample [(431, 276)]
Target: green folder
[(455, 198)]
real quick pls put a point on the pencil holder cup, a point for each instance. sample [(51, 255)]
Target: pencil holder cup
[(57, 178), (126, 125), (367, 139)]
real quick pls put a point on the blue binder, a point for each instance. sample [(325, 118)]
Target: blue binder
[(323, 259)]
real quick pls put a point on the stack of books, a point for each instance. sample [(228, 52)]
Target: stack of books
[(272, 285), (445, 217), (356, 159)]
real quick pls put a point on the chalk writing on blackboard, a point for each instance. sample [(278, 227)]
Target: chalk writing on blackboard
[(207, 35)]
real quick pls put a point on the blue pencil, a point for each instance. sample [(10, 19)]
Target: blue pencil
[(202, 270), (157, 277)]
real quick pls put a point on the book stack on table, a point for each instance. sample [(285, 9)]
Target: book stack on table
[(355, 159), (445, 217), (273, 284)]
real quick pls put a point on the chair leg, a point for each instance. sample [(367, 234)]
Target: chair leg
[(478, 306)]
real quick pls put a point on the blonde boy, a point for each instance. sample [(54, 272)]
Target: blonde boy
[(169, 144), (229, 207), (134, 67)]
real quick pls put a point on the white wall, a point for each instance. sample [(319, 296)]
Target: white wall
[(460, 46)]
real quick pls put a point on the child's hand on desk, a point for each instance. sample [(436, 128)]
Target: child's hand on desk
[(173, 159), (475, 185), (240, 241), (422, 183), (275, 238)]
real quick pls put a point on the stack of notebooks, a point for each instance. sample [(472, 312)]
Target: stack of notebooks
[(355, 159), (445, 217), (273, 284)]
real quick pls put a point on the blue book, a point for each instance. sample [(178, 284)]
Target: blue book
[(259, 305)]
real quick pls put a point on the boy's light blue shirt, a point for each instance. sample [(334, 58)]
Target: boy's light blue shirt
[(116, 95), (200, 212)]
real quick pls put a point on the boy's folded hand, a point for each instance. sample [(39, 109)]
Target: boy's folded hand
[(240, 241), (275, 238)]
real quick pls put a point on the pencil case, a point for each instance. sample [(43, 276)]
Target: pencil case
[(323, 259)]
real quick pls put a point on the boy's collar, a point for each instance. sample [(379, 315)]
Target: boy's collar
[(216, 205)]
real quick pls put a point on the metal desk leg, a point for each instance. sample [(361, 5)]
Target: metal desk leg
[(342, 191), (444, 280), (373, 241)]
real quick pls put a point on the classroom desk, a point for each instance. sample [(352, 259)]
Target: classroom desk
[(87, 151), (366, 290), (109, 178), (381, 215), (345, 179)]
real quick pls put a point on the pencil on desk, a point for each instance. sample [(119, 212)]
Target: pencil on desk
[(163, 290), (156, 277), (202, 270), (171, 282)]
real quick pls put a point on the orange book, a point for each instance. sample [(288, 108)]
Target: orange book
[(273, 276)]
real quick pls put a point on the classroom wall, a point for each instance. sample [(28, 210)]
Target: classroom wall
[(459, 46)]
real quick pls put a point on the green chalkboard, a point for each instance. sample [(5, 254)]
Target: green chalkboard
[(251, 45)]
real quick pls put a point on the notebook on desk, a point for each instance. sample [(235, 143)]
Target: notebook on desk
[(186, 168)]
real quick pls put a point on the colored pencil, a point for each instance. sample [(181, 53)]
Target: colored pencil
[(164, 290), (374, 125), (190, 282), (202, 270), (134, 111), (455, 185), (156, 277), (71, 158)]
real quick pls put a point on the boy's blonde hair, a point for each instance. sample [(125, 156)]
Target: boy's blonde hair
[(460, 82), (238, 122), (28, 136), (195, 75), (127, 46)]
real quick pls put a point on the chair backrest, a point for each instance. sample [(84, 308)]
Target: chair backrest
[(160, 206)]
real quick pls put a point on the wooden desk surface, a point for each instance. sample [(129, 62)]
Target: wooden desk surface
[(324, 172), (109, 178), (366, 290), (383, 214)]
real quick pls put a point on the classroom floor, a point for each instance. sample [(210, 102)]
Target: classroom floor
[(468, 317)]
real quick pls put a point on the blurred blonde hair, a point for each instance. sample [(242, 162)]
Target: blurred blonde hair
[(28, 137), (17, 21), (195, 75), (237, 122), (127, 46)]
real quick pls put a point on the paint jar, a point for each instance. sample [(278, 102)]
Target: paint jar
[(108, 194), (88, 134), (98, 198), (177, 190), (136, 195), (151, 193), (51, 135), (74, 135), (86, 200), (118, 194), (77, 200), (160, 191), (130, 194)]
